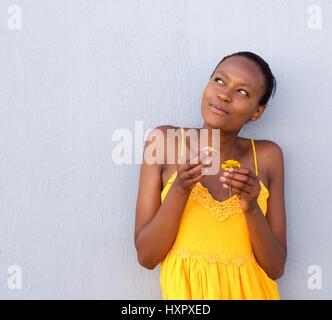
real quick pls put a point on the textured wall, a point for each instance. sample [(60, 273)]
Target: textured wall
[(77, 70)]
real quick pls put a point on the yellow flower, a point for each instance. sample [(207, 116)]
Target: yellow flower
[(228, 164)]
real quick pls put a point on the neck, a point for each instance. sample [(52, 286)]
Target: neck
[(228, 145)]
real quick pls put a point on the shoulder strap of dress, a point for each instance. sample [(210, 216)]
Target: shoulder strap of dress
[(182, 142), (255, 157)]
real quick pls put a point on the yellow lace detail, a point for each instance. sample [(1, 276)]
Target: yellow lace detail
[(184, 253), (221, 209)]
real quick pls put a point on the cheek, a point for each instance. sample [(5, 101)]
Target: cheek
[(208, 90), (244, 106), (206, 96)]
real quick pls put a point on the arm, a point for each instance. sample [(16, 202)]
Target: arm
[(267, 235), (157, 223)]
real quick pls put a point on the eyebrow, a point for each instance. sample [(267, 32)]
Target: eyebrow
[(239, 83)]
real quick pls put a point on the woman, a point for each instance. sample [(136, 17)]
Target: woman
[(213, 244)]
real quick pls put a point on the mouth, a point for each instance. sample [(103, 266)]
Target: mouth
[(218, 109)]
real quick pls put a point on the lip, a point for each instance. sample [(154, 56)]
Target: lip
[(218, 109)]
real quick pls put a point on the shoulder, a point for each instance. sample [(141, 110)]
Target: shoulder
[(161, 129), (165, 130), (157, 132), (158, 136), (265, 149), (271, 157), (268, 148)]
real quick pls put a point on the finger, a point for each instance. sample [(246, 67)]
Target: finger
[(204, 155), (189, 164), (202, 172), (192, 181), (193, 162), (200, 159), (236, 190), (237, 184), (241, 193), (195, 170), (245, 171), (208, 151), (240, 170), (197, 178), (240, 178)]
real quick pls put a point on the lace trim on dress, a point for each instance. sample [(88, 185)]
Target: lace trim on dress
[(221, 209), (184, 253)]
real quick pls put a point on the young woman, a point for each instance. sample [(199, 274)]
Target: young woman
[(211, 244)]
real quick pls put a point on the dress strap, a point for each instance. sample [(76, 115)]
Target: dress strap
[(255, 158), (182, 142)]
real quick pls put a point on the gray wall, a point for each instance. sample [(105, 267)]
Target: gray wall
[(78, 70)]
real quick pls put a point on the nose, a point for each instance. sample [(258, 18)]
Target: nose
[(224, 96)]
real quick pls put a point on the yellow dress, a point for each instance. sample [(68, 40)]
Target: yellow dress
[(212, 257)]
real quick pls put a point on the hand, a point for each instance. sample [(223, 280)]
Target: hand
[(190, 173), (245, 184)]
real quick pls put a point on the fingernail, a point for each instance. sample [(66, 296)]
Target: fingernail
[(223, 179), (231, 169), (225, 185), (226, 174)]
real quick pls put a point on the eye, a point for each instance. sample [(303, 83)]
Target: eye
[(219, 79), (243, 92)]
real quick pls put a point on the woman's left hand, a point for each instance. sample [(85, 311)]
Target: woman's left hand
[(245, 184)]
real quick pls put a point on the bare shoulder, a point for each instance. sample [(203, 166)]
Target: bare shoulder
[(271, 157), (269, 149), (161, 128), (158, 135), (159, 132)]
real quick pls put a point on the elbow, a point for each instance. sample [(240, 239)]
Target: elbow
[(276, 274), (144, 256), (146, 263), (279, 268)]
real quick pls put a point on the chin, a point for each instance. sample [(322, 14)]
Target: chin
[(212, 120)]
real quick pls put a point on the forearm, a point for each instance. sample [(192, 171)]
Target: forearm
[(156, 238), (269, 251)]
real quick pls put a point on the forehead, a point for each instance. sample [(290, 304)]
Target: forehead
[(241, 69)]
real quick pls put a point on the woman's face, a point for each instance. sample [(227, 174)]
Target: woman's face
[(236, 87)]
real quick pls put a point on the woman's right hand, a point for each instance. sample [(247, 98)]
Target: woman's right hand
[(190, 173)]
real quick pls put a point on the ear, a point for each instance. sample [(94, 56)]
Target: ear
[(260, 110)]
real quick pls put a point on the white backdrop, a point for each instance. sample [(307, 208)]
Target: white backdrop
[(73, 72)]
